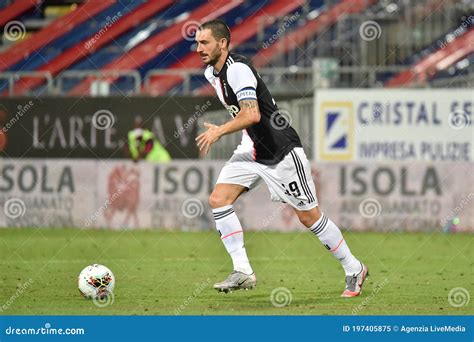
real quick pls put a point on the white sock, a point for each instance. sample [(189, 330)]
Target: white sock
[(331, 237), (232, 235)]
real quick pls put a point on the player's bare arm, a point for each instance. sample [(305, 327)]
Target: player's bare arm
[(248, 115)]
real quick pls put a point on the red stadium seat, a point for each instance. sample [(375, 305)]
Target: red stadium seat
[(456, 50), (241, 33), (16, 9), (58, 28), (161, 41), (80, 50)]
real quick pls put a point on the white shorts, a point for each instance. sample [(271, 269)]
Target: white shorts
[(289, 181)]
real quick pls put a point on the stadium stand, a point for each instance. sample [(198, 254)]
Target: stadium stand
[(20, 53), (11, 11), (138, 46), (94, 42), (429, 66), (241, 33), (161, 41)]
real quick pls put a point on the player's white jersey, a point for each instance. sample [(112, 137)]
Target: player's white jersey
[(272, 138)]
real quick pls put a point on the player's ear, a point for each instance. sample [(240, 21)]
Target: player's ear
[(224, 43)]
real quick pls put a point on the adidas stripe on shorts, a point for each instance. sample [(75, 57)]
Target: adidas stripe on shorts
[(289, 181)]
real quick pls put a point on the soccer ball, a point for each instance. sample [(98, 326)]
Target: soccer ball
[(96, 281)]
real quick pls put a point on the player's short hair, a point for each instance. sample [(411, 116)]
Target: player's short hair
[(218, 28)]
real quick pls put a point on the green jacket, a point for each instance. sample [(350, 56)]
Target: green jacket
[(137, 146)]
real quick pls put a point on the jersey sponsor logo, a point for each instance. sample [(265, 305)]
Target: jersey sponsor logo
[(336, 131)]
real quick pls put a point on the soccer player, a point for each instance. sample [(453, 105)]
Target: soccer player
[(270, 150)]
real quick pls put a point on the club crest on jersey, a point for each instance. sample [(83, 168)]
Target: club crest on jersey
[(232, 109)]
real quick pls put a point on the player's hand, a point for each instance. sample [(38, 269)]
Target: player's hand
[(206, 139)]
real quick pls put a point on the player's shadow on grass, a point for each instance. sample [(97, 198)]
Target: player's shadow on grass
[(300, 299)]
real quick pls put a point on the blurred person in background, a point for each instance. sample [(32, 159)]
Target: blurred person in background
[(143, 144)]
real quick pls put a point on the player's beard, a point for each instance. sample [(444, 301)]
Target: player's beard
[(214, 56)]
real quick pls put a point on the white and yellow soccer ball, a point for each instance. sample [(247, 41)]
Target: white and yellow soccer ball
[(96, 282)]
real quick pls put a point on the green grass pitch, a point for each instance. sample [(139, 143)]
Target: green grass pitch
[(167, 273)]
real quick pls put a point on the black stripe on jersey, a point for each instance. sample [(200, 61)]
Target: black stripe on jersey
[(302, 177), (229, 61), (320, 227)]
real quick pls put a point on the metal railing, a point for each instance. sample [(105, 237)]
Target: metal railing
[(103, 76), (280, 80), (461, 81), (51, 85), (13, 77), (185, 74), (293, 80)]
